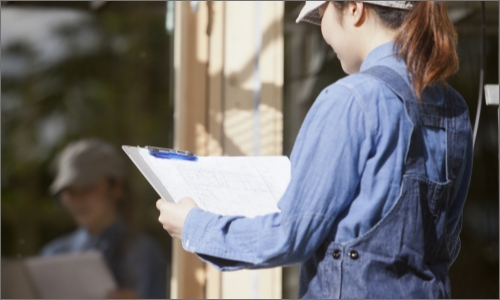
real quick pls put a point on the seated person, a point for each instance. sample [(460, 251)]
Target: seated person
[(91, 185)]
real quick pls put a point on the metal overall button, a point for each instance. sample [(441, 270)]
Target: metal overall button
[(353, 254), (336, 253)]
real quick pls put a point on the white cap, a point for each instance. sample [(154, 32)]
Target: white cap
[(84, 162), (310, 13)]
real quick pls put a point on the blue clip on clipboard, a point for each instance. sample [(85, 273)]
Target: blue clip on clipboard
[(168, 153)]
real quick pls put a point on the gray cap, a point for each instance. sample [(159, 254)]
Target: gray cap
[(85, 162), (310, 14)]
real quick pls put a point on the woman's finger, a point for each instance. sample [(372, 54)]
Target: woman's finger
[(159, 203), (187, 202)]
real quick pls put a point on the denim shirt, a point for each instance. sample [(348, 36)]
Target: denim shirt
[(347, 167), (135, 260)]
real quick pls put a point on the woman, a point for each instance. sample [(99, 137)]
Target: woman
[(380, 168)]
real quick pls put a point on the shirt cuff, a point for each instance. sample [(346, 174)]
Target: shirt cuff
[(193, 232), (194, 228)]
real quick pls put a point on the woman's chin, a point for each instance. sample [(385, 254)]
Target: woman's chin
[(348, 69), (345, 69)]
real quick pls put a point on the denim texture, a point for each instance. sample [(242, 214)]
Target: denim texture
[(369, 166), (406, 255)]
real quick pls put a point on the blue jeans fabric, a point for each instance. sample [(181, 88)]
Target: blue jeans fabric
[(405, 255)]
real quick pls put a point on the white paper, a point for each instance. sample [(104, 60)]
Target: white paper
[(247, 186), (16, 283), (77, 275)]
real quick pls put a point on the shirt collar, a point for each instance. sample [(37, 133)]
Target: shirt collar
[(377, 54)]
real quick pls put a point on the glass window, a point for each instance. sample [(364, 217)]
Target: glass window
[(75, 70)]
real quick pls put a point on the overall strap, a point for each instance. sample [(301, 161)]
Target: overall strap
[(453, 117), (419, 114), (458, 134), (393, 80)]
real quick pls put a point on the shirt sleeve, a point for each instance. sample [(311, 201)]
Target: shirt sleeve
[(328, 159), (455, 214)]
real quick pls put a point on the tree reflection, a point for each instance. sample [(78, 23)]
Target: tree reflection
[(110, 80)]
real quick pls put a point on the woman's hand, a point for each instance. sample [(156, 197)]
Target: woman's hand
[(172, 215)]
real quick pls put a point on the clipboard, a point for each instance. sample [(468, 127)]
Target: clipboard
[(140, 163), (246, 186)]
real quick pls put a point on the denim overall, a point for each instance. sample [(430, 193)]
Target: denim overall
[(405, 255)]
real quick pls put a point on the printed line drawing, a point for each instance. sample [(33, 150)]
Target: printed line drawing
[(248, 186)]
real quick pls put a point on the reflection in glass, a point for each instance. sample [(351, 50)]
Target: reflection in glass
[(73, 73)]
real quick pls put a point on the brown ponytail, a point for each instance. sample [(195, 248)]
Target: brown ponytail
[(426, 42)]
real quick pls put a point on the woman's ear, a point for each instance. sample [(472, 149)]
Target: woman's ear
[(356, 13)]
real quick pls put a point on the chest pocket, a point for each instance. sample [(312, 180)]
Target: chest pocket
[(428, 143)]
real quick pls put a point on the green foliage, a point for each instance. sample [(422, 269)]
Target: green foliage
[(114, 85)]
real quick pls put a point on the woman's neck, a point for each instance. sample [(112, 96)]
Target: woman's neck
[(376, 34)]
